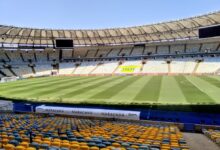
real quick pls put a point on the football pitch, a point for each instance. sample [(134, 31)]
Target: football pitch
[(119, 90)]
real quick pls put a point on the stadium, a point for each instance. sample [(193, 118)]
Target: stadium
[(147, 87)]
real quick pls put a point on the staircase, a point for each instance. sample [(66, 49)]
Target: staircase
[(33, 70), (142, 65), (10, 69), (198, 141), (2, 73), (95, 68), (7, 56), (119, 64), (217, 71), (169, 68), (22, 57), (35, 57), (196, 67), (77, 65)]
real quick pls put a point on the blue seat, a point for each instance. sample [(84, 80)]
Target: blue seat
[(175, 148), (19, 139), (111, 140), (72, 139), (14, 142), (53, 148), (64, 148), (91, 144), (81, 140), (153, 148), (130, 148), (35, 145), (144, 147), (101, 145), (44, 146), (125, 144), (107, 143)]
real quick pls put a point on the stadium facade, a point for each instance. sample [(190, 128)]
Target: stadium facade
[(167, 48), (29, 52)]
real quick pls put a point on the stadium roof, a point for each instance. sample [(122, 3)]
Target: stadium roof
[(165, 31)]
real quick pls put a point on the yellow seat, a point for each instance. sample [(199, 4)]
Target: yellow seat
[(56, 140), (11, 137), (135, 146), (74, 142), (37, 141), (66, 145), (55, 144), (46, 142), (26, 139), (46, 139), (117, 145), (9, 147), (5, 141), (20, 147), (94, 148), (110, 147), (84, 147), (31, 148), (4, 136), (83, 144), (25, 144), (75, 146), (65, 141)]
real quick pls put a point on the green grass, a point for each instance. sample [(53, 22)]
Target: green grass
[(151, 90), (141, 90)]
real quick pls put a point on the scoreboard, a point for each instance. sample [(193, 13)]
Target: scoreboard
[(207, 32), (64, 43)]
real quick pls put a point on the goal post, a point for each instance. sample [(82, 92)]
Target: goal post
[(9, 79)]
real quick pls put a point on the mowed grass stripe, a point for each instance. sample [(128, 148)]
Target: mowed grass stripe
[(211, 80), (29, 88), (151, 90), (93, 91), (27, 82), (83, 89), (128, 93), (53, 85), (80, 86), (46, 84), (26, 87), (211, 90), (216, 77), (170, 91), (191, 92), (64, 86), (88, 88), (110, 92), (32, 84)]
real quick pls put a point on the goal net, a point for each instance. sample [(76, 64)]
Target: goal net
[(9, 79)]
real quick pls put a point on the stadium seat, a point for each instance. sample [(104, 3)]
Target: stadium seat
[(107, 136)]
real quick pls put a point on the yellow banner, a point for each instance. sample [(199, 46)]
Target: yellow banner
[(129, 69)]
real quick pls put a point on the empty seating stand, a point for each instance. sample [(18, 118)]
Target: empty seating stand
[(214, 135), (44, 62), (83, 134)]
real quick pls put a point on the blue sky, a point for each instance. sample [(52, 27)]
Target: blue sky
[(92, 14)]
